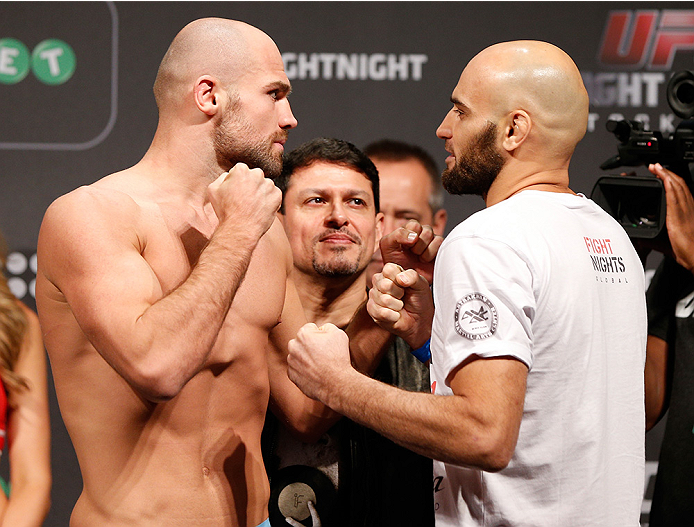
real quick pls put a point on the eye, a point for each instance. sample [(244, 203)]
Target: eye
[(459, 112), (314, 200)]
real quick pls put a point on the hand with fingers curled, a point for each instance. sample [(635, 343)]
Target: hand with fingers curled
[(400, 301), (317, 357), (413, 246), (679, 216), (315, 519), (245, 197)]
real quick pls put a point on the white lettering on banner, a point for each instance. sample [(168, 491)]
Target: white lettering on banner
[(354, 66), (630, 90), (51, 56), (6, 59)]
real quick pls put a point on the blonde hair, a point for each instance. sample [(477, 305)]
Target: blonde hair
[(13, 326)]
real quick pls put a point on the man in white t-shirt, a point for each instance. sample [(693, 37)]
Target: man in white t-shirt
[(538, 339)]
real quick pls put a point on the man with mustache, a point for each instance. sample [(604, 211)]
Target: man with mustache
[(166, 301), (538, 341), (330, 212)]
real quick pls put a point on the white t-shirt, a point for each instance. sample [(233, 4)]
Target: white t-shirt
[(553, 281)]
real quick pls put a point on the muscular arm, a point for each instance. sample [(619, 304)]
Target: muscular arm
[(307, 418), (92, 246), (477, 426), (656, 373), (29, 436)]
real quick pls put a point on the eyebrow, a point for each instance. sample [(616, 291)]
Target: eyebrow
[(458, 102), (281, 86)]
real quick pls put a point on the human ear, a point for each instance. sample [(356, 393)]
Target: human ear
[(206, 95), (517, 130)]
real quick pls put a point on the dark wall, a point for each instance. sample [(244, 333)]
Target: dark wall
[(59, 133)]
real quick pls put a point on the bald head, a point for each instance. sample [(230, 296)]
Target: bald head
[(536, 77), (218, 47)]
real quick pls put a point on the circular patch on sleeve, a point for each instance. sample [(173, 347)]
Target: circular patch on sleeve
[(476, 317)]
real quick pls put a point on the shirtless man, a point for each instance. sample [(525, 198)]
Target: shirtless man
[(165, 300), (539, 336)]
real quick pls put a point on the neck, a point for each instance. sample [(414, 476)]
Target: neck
[(330, 299), (509, 183), (182, 160)]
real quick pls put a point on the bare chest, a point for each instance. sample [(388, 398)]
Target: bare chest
[(173, 253)]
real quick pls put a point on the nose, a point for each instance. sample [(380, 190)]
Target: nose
[(337, 216), (444, 129), (287, 119)]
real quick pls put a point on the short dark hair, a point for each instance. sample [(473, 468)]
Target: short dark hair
[(328, 150), (391, 150)]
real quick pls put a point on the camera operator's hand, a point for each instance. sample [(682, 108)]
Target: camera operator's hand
[(679, 217)]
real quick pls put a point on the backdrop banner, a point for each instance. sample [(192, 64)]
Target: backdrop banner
[(76, 98)]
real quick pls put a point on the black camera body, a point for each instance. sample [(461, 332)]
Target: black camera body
[(638, 202)]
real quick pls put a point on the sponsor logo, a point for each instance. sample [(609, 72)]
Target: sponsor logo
[(354, 66), (21, 273), (602, 257), (476, 317), (646, 38), (52, 61), (49, 69)]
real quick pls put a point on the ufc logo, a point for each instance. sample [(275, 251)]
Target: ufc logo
[(646, 38)]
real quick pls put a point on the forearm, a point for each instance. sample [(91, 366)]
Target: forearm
[(445, 428), (368, 342), (655, 377), (28, 505), (163, 348)]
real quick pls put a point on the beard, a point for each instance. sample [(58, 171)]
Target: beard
[(236, 140), (476, 168), (338, 263)]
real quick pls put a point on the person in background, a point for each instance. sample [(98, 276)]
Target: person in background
[(670, 356), (330, 214), (411, 189), (24, 422)]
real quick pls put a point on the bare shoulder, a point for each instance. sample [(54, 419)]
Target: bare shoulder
[(90, 204), (100, 215)]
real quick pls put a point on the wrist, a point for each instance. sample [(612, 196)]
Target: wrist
[(423, 352)]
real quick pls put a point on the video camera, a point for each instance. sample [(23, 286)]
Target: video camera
[(637, 202)]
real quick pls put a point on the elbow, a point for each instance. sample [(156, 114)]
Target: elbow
[(491, 453), (156, 383), (496, 461)]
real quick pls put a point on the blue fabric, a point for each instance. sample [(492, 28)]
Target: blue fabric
[(423, 353), (266, 523)]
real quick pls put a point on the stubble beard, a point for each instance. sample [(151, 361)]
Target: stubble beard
[(476, 168), (338, 264), (235, 140)]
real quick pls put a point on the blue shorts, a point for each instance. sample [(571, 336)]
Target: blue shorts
[(266, 523)]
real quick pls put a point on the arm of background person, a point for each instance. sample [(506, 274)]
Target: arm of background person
[(91, 248), (680, 226), (656, 378), (477, 426), (28, 435)]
